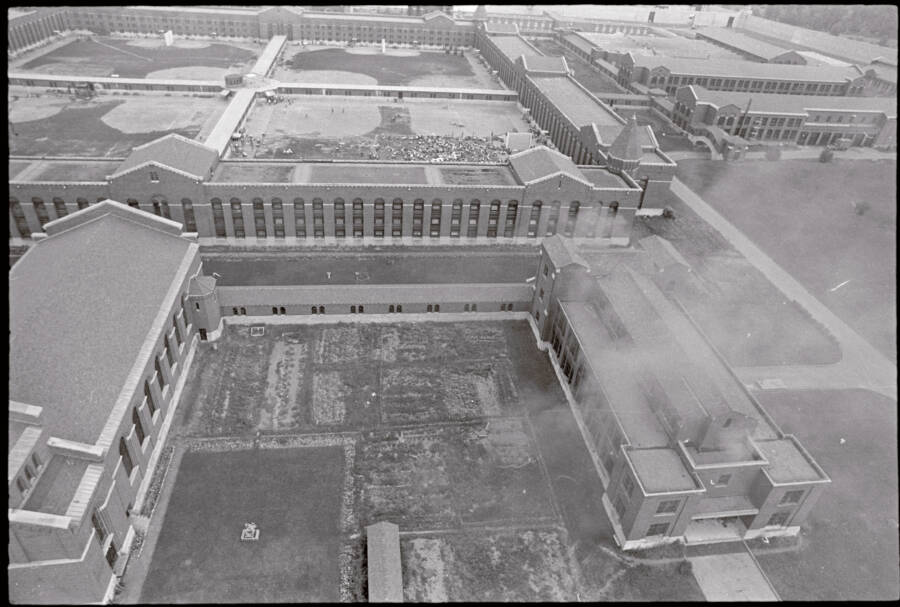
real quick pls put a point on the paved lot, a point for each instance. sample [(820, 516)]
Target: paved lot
[(731, 577)]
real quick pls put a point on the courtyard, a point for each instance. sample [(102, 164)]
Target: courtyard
[(372, 128), (802, 214), (145, 58), (586, 75), (107, 125), (456, 431)]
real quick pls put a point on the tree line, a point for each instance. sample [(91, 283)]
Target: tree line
[(876, 21)]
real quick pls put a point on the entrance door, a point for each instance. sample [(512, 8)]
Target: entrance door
[(730, 22), (651, 17), (203, 334)]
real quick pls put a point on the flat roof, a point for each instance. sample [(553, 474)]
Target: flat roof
[(787, 463), (62, 170), (609, 359), (374, 294), (70, 351), (383, 556), (658, 326), (679, 46), (574, 102), (513, 46), (57, 485), (661, 470), (364, 172)]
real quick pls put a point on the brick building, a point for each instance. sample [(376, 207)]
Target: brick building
[(800, 119), (97, 361), (579, 124), (668, 73), (538, 192), (684, 451), (29, 28)]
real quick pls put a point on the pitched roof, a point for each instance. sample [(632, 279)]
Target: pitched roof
[(173, 151), (372, 294), (82, 302), (542, 63), (562, 252), (662, 252), (627, 146), (541, 162), (747, 69), (383, 554), (746, 44), (794, 104), (575, 103)]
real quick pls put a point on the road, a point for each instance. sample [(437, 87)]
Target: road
[(861, 366)]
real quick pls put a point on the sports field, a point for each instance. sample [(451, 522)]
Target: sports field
[(145, 58), (351, 128), (107, 125), (368, 65), (294, 498)]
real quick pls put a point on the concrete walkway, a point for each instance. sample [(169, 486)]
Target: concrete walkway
[(862, 366), (731, 577)]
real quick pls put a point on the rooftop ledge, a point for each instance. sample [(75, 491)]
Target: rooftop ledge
[(710, 460)]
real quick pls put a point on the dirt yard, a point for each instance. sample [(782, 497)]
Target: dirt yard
[(377, 129), (107, 125), (488, 567)]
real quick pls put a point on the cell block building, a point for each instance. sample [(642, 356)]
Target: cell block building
[(683, 449)]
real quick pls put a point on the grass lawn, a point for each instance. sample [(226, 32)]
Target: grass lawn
[(199, 556), (113, 56), (388, 69), (849, 550), (746, 317), (800, 213), (373, 268)]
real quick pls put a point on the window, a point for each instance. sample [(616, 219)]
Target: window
[(162, 380), (154, 177), (243, 310), (778, 519), (668, 507), (391, 309), (627, 485), (190, 222), (19, 215), (321, 309), (658, 529), (126, 457), (353, 309), (546, 270), (621, 506), (791, 497), (36, 461), (399, 308), (466, 308), (274, 310), (21, 485), (723, 480), (151, 406), (60, 206), (281, 310), (437, 307), (218, 217), (429, 308), (41, 210), (138, 427), (361, 310), (98, 527)]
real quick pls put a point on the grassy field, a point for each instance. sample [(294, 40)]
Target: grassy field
[(104, 126), (849, 550), (747, 319), (801, 214), (373, 268), (199, 556), (101, 56), (389, 69)]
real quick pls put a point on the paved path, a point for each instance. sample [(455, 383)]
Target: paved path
[(731, 577), (862, 365)]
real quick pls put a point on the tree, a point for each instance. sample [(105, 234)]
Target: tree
[(827, 155)]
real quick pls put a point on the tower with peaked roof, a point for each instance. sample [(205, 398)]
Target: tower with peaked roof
[(626, 151)]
